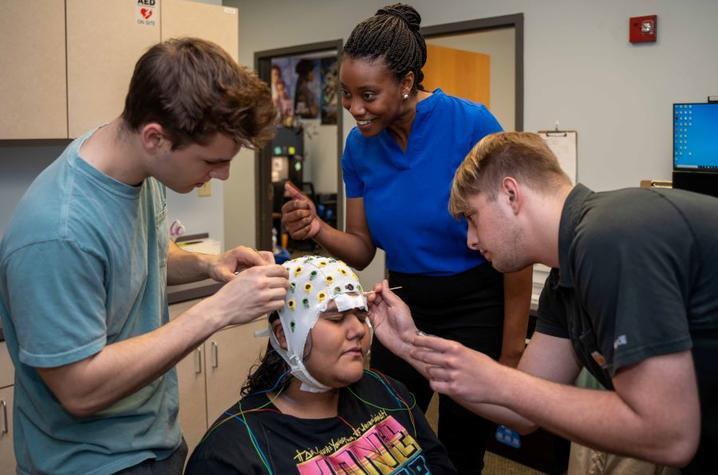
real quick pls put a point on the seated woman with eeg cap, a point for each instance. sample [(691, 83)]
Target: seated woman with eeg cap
[(310, 407)]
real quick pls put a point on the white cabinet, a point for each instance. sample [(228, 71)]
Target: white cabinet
[(104, 41), (33, 96), (7, 455), (7, 370), (193, 397), (231, 353), (192, 389), (210, 22), (66, 64), (211, 376), (105, 38)]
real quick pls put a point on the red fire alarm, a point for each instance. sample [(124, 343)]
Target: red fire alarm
[(642, 29)]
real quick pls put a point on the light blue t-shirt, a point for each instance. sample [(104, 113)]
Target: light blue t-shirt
[(406, 193), (83, 264)]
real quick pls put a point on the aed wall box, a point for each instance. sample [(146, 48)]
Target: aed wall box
[(643, 29)]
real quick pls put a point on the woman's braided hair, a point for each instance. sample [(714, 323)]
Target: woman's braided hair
[(393, 35)]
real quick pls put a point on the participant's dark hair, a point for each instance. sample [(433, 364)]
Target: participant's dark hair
[(393, 35), (266, 374)]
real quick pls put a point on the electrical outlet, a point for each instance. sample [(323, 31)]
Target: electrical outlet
[(205, 190)]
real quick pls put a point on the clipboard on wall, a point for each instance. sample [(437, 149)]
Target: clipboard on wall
[(564, 144)]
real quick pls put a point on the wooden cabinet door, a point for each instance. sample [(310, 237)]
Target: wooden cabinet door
[(105, 38), (7, 455), (210, 22), (192, 387), (211, 376), (465, 74), (7, 370), (230, 355), (192, 396), (33, 85)]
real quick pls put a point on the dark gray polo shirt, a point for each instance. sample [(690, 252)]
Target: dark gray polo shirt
[(638, 278)]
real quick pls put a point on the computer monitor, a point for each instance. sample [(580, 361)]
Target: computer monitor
[(695, 137)]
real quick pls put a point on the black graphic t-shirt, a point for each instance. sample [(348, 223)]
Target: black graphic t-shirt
[(373, 433)]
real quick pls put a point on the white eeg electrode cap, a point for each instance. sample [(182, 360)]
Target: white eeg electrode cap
[(314, 281)]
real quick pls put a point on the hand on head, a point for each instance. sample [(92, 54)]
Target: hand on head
[(226, 265), (299, 215), (255, 285), (250, 294)]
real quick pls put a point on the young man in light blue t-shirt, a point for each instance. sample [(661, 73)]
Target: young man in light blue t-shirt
[(86, 259)]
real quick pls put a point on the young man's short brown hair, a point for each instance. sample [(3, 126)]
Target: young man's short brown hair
[(521, 155), (194, 89)]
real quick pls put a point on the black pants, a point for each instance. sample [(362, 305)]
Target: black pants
[(467, 308), (172, 465)]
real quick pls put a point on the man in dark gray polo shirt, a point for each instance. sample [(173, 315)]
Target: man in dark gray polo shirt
[(633, 297)]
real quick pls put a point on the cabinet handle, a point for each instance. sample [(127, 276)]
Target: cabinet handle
[(5, 429), (197, 361), (215, 355)]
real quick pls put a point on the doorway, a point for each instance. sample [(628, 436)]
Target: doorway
[(488, 49), (308, 146)]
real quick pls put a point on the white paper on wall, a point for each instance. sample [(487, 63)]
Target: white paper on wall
[(563, 143)]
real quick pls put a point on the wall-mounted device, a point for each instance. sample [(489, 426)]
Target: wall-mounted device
[(643, 29), (695, 147)]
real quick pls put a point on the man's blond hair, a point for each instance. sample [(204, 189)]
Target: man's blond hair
[(521, 155)]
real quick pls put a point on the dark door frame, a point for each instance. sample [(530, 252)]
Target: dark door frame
[(506, 21), (262, 158)]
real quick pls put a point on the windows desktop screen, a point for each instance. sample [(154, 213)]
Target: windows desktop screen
[(695, 136)]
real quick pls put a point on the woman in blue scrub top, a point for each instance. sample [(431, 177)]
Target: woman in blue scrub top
[(398, 165)]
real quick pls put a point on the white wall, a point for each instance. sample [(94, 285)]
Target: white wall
[(199, 214), (320, 150), (579, 68)]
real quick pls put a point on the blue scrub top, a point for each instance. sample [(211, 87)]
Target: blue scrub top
[(406, 194)]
